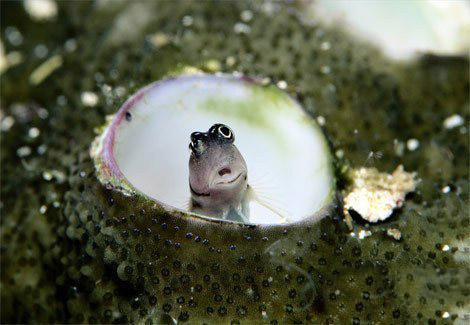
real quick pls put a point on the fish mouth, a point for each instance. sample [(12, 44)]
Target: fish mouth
[(233, 180)]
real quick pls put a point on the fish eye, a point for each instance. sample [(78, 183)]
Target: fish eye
[(225, 132), (195, 136), (196, 144), (196, 147), (192, 149), (222, 130), (214, 128)]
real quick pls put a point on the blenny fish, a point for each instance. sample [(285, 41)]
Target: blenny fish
[(218, 176)]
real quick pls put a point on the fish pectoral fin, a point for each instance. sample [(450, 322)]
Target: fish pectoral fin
[(267, 206)]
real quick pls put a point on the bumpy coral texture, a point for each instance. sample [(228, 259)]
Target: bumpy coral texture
[(73, 251)]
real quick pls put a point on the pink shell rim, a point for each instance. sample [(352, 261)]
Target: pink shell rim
[(110, 164), (112, 170)]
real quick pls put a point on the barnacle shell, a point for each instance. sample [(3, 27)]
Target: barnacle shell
[(145, 144), (143, 151)]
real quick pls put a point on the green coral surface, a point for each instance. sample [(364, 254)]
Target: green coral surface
[(73, 251)]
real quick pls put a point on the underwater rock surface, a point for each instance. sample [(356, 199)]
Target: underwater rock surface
[(74, 252)]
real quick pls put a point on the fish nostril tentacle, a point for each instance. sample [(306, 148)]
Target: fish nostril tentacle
[(224, 171)]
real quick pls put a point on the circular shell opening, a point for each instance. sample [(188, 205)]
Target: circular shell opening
[(144, 149)]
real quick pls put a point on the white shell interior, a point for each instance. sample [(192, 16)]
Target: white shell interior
[(289, 164)]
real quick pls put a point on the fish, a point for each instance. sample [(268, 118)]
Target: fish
[(218, 177)]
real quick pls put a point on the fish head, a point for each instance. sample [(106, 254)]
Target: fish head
[(218, 175)]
